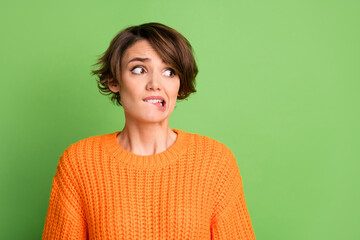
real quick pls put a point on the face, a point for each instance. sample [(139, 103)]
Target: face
[(145, 75)]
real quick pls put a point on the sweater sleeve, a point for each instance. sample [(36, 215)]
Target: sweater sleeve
[(65, 217), (231, 217)]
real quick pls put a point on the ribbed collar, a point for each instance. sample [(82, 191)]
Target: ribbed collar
[(161, 159)]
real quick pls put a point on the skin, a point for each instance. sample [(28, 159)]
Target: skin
[(146, 130)]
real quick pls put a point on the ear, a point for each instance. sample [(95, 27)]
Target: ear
[(113, 85)]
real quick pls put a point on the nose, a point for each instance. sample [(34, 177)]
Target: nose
[(153, 81)]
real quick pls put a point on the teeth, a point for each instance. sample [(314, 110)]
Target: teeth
[(153, 100)]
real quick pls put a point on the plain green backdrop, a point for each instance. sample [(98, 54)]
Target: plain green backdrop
[(278, 83)]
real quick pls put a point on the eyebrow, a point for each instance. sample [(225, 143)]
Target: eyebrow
[(141, 60)]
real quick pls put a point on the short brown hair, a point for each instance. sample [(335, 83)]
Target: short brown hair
[(171, 46)]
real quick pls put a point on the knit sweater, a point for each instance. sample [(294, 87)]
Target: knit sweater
[(192, 190)]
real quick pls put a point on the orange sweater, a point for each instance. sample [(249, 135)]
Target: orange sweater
[(193, 190)]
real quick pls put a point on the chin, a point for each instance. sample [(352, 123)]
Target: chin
[(149, 118), (155, 119)]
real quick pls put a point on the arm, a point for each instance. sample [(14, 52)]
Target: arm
[(231, 217), (65, 217)]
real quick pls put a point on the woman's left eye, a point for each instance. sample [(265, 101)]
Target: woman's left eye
[(170, 72)]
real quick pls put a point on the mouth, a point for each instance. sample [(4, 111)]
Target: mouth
[(160, 104)]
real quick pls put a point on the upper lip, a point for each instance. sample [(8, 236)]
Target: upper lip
[(154, 97)]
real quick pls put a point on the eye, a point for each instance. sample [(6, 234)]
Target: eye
[(137, 70), (170, 72)]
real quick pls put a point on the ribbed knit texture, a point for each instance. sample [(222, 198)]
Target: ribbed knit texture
[(193, 190)]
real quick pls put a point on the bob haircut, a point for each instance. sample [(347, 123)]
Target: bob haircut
[(171, 46)]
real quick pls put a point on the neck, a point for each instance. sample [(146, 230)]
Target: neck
[(146, 138)]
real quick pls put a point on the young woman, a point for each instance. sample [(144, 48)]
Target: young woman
[(147, 181)]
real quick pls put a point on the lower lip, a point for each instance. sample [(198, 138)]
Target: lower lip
[(159, 106)]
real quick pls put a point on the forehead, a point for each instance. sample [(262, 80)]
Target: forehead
[(141, 48)]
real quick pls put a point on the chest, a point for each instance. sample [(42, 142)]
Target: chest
[(134, 204)]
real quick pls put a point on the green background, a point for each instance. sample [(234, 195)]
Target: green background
[(278, 84)]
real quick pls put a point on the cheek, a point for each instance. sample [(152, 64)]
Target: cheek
[(173, 92), (176, 87), (126, 98), (128, 92)]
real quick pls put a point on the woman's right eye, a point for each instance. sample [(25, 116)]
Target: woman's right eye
[(137, 70)]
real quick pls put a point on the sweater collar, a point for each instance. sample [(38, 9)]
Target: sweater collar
[(161, 159)]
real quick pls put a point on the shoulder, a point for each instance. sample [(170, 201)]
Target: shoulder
[(220, 154), (84, 149), (88, 143), (209, 143), (81, 154)]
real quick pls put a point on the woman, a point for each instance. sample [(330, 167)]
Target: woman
[(147, 181)]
